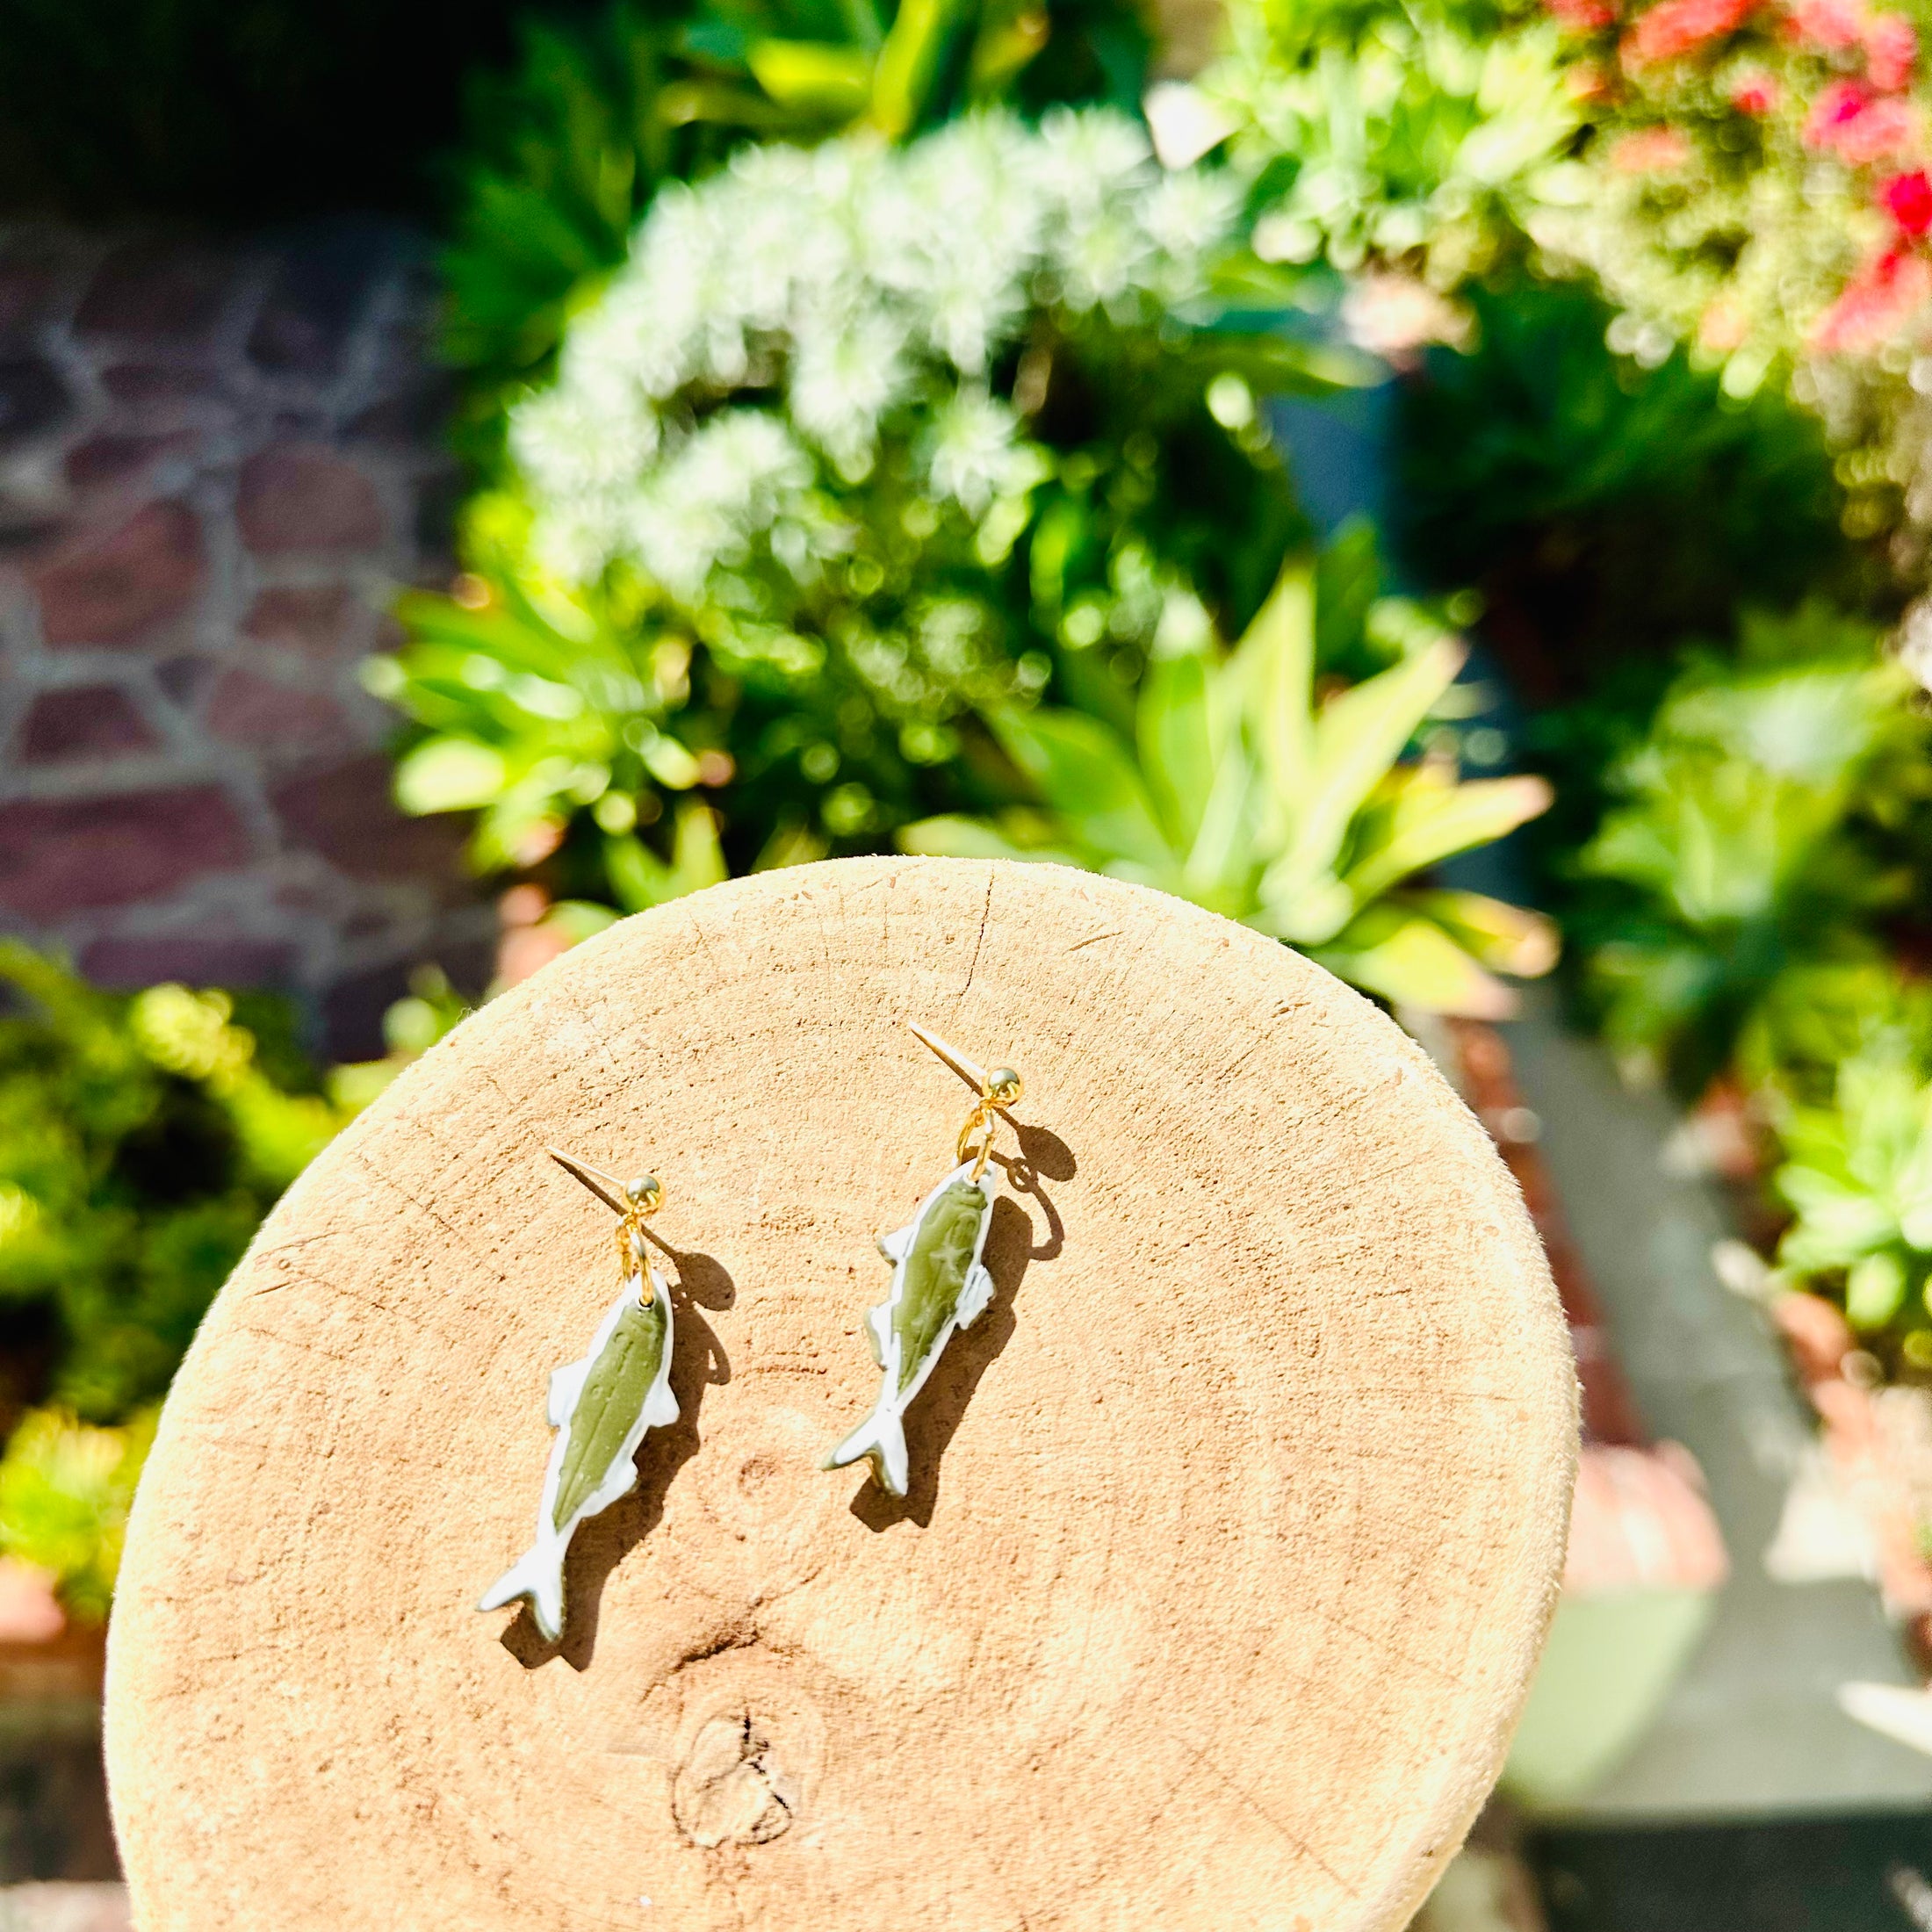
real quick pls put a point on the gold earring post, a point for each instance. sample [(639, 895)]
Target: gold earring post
[(998, 1089), (633, 1201), (606, 1187), (967, 1070)]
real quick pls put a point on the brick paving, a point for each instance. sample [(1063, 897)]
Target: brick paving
[(217, 465)]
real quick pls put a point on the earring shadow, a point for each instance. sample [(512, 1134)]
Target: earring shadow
[(1043, 1153), (1043, 1156), (698, 1361), (939, 1407)]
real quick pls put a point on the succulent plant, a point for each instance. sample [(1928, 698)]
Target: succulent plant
[(1755, 835), (1243, 790), (1858, 1177)]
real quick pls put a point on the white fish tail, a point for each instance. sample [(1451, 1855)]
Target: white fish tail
[(540, 1577), (882, 1436)]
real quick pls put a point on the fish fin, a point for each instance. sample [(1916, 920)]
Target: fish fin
[(566, 1385), (661, 1407), (974, 1296), (878, 1323), (882, 1436), (540, 1577), (893, 1246)]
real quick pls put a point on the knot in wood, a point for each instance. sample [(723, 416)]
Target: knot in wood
[(730, 1790)]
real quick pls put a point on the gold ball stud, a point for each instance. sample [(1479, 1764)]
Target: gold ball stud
[(645, 1192), (1003, 1087)]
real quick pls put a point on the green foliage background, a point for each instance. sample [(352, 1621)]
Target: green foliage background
[(1742, 832), (142, 1138), (566, 148), (1609, 508)]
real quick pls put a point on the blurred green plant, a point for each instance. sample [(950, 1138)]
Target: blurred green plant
[(1395, 137), (1245, 789), (429, 1011), (65, 1488), (1857, 1176), (772, 539), (566, 151), (1814, 1017), (1763, 826), (1605, 508), (141, 1141)]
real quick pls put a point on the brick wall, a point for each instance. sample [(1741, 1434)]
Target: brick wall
[(218, 463)]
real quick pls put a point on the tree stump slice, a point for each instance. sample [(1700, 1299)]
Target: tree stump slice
[(1235, 1520)]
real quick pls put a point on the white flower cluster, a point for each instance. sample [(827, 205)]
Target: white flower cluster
[(737, 372)]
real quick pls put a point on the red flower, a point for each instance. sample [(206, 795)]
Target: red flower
[(1908, 200), (1887, 127), (1876, 299), (1835, 23), (1892, 52), (1859, 129), (1839, 103), (1677, 27), (1755, 94)]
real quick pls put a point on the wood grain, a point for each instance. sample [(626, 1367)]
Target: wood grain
[(1235, 1521)]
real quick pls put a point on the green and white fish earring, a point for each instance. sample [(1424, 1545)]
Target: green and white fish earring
[(601, 1404), (939, 1285)]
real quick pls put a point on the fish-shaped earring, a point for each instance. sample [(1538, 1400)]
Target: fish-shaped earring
[(939, 1285), (599, 1405)]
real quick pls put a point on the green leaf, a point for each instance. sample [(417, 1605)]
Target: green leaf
[(1875, 1287), (1307, 912), (1358, 736), (862, 21), (1220, 864), (1273, 668), (1418, 964), (65, 1490), (1177, 750), (669, 763), (1084, 773), (696, 856), (1348, 580), (1836, 1223), (953, 837), (1002, 47), (1506, 938), (1433, 819), (907, 63), (1279, 365), (578, 919), (642, 880), (448, 774), (684, 102), (813, 77)]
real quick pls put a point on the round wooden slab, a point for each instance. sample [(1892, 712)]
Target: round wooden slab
[(1234, 1520)]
